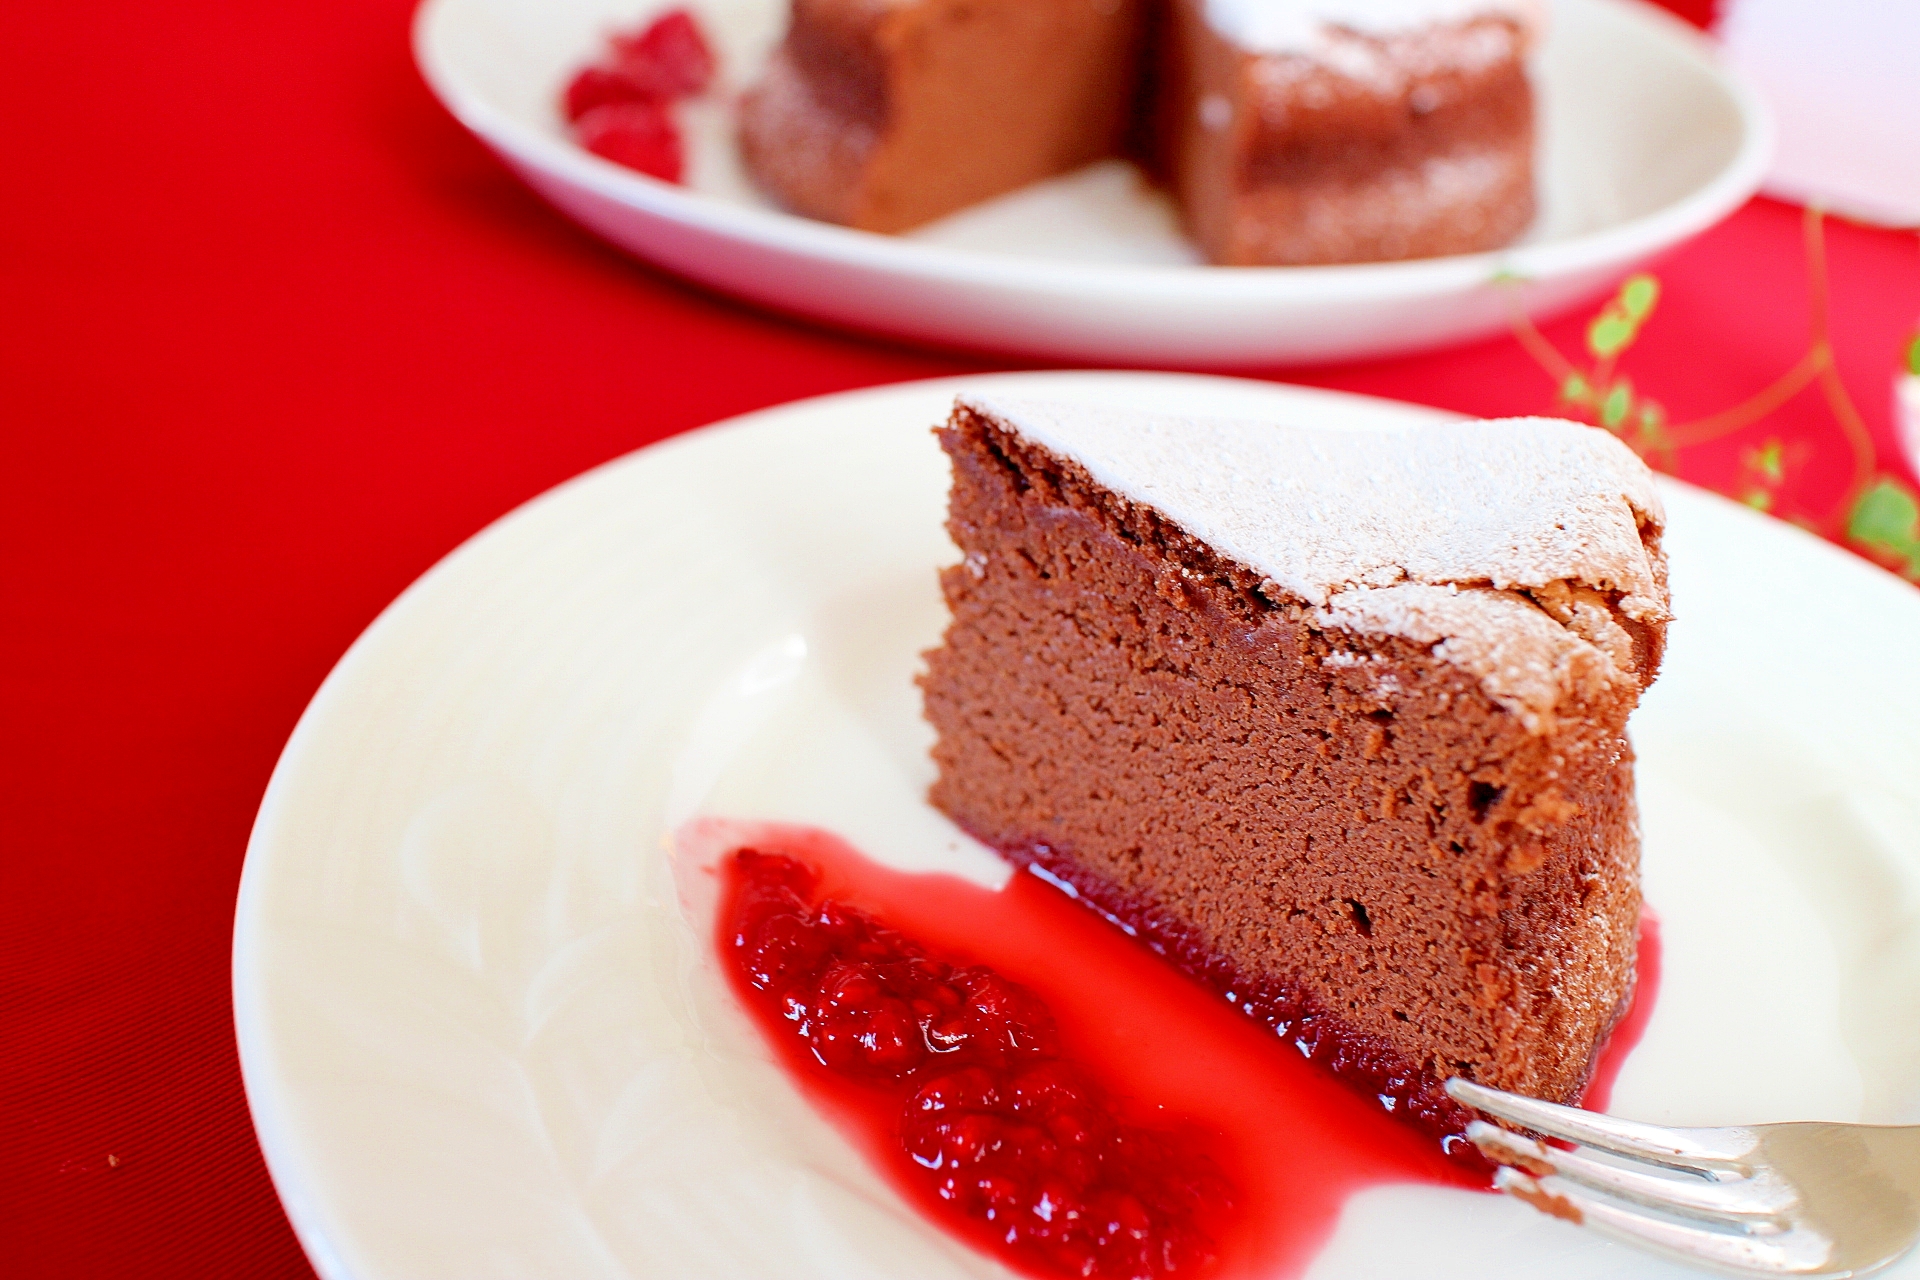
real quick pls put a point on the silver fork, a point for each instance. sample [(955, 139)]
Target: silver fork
[(1816, 1200)]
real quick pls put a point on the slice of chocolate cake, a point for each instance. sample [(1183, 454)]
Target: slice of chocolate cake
[(1334, 719), (885, 114), (1321, 131)]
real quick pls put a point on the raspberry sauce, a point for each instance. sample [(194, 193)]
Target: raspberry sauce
[(1005, 1137), (1044, 1086)]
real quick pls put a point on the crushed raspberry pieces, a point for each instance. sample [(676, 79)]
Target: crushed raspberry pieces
[(1016, 1145), (621, 106)]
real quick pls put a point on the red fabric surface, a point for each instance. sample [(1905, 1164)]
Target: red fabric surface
[(277, 335)]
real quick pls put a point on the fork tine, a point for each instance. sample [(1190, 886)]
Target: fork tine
[(1694, 1150), (1741, 1202), (1799, 1252)]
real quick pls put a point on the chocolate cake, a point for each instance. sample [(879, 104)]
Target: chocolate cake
[(885, 114), (1400, 129), (1334, 719), (1289, 131)]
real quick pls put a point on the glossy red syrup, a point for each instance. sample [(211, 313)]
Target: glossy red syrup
[(1004, 1133), (621, 106), (1168, 1133)]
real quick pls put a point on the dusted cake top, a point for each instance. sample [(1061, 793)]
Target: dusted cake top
[(1301, 26), (1508, 544)]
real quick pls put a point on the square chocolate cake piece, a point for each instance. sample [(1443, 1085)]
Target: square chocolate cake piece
[(1334, 719), (1343, 131), (887, 114)]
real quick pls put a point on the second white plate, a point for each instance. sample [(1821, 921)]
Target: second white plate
[(481, 1038), (1647, 140)]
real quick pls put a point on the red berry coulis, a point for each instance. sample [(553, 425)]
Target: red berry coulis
[(1036, 1081), (1002, 1135)]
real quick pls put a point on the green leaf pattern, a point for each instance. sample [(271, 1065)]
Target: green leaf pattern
[(1884, 518), (1887, 518), (1618, 323)]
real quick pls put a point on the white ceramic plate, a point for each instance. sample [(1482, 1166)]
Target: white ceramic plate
[(1646, 141), (482, 1039)]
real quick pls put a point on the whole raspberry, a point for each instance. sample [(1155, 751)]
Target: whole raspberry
[(599, 86), (639, 135), (670, 59)]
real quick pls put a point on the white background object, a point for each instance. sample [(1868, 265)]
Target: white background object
[(1646, 140), (482, 1039), (1840, 77)]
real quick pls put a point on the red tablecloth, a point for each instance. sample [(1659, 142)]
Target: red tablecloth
[(276, 335)]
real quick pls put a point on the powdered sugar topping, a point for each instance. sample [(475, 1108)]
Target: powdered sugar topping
[(1490, 540), (1307, 26), (1522, 657)]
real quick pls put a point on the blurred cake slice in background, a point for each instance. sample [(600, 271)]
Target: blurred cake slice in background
[(1320, 131), (886, 114)]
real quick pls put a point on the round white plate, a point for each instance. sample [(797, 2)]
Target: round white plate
[(1646, 141), (481, 1037)]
